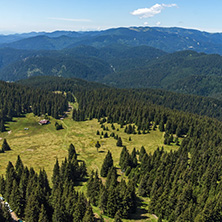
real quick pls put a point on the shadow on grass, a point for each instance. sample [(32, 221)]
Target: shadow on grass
[(140, 212), (80, 182)]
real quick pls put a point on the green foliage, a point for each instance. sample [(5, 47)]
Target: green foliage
[(58, 126), (72, 152), (107, 164), (43, 217), (21, 100), (89, 216), (97, 145), (5, 146), (119, 142)]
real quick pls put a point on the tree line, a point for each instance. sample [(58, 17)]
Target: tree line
[(16, 100)]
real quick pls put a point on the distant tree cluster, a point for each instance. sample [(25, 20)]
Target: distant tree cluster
[(17, 100)]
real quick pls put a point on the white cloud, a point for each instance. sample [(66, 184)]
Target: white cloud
[(152, 11), (71, 20), (158, 23), (146, 23)]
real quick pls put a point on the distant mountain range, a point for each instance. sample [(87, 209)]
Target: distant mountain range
[(138, 57), (166, 39)]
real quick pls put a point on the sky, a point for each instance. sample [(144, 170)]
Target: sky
[(22, 16)]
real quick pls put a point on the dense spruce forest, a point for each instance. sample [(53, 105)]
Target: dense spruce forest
[(187, 103), (184, 185), (16, 100)]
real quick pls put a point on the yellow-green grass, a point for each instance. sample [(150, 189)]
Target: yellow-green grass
[(39, 146)]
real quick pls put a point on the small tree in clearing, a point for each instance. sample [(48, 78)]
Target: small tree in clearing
[(119, 142), (97, 145)]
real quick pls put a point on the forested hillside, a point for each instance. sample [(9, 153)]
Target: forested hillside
[(183, 185), (18, 100), (180, 185), (174, 72), (187, 103), (121, 66)]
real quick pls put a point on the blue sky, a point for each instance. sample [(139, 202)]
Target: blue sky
[(18, 16)]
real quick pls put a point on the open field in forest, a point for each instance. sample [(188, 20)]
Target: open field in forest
[(39, 146)]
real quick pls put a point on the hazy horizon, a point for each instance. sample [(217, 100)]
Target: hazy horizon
[(48, 16)]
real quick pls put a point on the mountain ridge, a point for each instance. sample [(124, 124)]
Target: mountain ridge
[(167, 39)]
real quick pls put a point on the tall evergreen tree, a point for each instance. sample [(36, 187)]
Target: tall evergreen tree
[(43, 217), (71, 152), (2, 126), (142, 152), (89, 216), (32, 209), (119, 142), (107, 164), (5, 146)]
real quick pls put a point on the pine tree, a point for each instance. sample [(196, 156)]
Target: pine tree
[(5, 146), (80, 209), (71, 152), (103, 199), (43, 217), (32, 209), (117, 217), (56, 174), (142, 152), (111, 180), (2, 126), (97, 145), (124, 161), (161, 126), (6, 214), (133, 158), (2, 185), (119, 142), (89, 216), (107, 163), (15, 200), (112, 203), (10, 177)]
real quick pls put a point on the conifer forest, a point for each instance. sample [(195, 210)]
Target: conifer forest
[(184, 184)]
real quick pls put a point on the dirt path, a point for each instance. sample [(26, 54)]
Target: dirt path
[(155, 216), (14, 216)]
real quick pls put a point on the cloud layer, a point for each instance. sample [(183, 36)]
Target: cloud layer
[(152, 11)]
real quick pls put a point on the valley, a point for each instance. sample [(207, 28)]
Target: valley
[(117, 125)]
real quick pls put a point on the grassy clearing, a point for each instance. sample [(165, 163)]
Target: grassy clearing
[(39, 146)]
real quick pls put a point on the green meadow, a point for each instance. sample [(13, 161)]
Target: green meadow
[(40, 145)]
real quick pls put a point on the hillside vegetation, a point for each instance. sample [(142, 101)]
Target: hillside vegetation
[(187, 103), (120, 66), (115, 133)]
